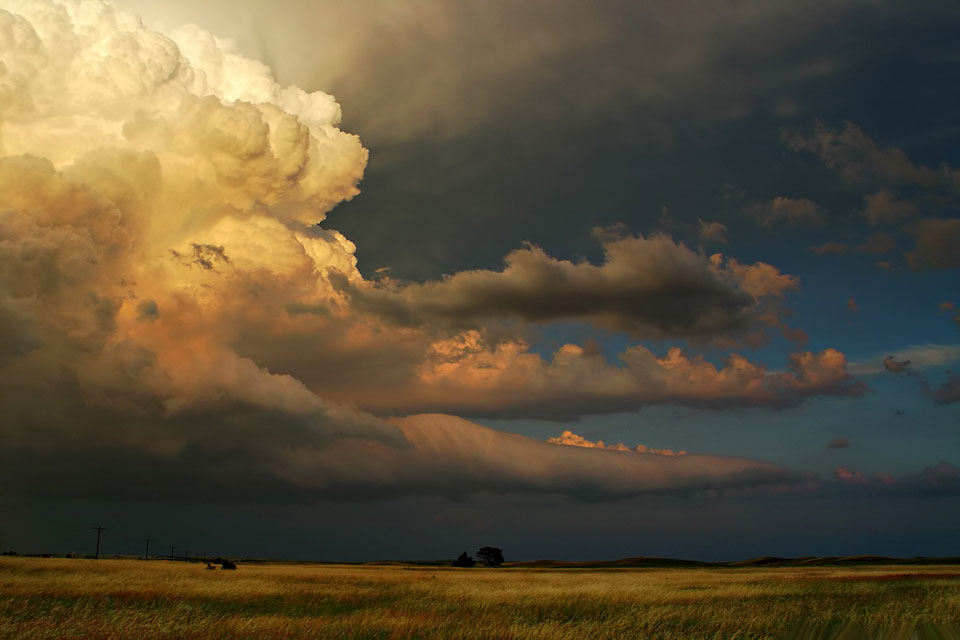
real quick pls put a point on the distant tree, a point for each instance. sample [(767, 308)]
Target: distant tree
[(491, 556), (463, 560)]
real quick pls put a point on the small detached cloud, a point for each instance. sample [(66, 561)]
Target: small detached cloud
[(572, 439), (839, 443), (937, 244), (791, 212), (843, 474), (947, 306), (712, 232), (949, 391), (876, 244), (859, 159), (918, 356), (883, 208), (852, 305), (898, 367)]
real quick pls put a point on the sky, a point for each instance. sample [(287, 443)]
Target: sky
[(397, 279)]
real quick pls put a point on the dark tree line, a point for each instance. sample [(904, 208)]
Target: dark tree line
[(490, 556)]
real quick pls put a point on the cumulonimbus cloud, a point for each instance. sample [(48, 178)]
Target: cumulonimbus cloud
[(170, 308)]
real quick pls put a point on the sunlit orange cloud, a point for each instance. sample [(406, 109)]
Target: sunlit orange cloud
[(572, 439), (467, 374)]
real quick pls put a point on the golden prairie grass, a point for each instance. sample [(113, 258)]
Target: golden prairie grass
[(61, 598)]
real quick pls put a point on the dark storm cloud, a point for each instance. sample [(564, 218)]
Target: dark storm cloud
[(647, 287), (605, 110), (537, 62)]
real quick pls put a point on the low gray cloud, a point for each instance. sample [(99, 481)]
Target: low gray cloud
[(941, 479), (240, 454), (937, 480), (648, 287)]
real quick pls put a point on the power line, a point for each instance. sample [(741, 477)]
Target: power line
[(99, 529)]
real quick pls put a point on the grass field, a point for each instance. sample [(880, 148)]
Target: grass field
[(65, 598)]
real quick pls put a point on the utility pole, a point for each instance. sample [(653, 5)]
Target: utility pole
[(186, 555), (146, 553), (171, 552), (98, 529)]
